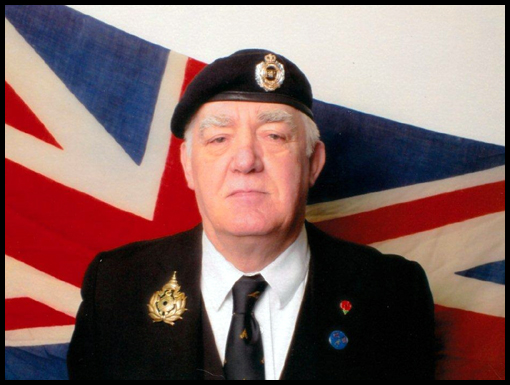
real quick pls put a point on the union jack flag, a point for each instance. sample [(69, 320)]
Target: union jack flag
[(90, 165)]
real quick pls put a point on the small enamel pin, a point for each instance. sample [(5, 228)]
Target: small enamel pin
[(338, 340), (346, 306), (168, 304)]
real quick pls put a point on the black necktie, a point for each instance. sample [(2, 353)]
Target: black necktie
[(244, 357)]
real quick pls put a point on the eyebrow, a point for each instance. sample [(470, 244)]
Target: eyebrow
[(275, 116), (214, 121), (269, 116)]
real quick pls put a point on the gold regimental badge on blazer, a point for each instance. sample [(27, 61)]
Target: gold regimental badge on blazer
[(168, 304)]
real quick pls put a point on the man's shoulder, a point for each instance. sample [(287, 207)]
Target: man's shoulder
[(144, 266), (165, 247), (147, 259), (335, 249), (341, 260), (389, 303)]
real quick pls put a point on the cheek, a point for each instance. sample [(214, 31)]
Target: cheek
[(290, 177), (208, 175)]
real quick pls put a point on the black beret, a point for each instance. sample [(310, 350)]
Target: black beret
[(249, 75)]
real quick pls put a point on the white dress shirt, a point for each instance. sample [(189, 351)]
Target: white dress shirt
[(276, 310)]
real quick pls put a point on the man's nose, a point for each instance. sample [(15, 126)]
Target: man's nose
[(247, 157)]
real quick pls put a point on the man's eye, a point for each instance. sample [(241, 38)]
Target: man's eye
[(275, 137), (220, 139)]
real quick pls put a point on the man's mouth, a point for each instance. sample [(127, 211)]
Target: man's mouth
[(246, 193)]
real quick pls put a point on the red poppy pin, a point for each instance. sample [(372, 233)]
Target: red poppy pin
[(346, 306)]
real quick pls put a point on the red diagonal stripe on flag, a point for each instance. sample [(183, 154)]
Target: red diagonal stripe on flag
[(86, 224), (21, 117), (45, 248), (421, 215), (21, 313)]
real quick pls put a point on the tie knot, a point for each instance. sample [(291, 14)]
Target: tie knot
[(247, 291)]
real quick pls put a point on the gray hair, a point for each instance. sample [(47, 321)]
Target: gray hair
[(312, 132), (313, 135)]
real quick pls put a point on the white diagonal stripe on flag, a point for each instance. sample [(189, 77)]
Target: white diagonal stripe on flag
[(350, 206), (91, 160), (446, 250), (39, 336), (22, 280)]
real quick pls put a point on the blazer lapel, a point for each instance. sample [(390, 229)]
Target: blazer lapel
[(179, 348), (212, 366), (191, 339), (311, 355), (302, 357)]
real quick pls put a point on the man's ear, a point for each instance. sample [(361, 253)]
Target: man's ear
[(317, 161), (186, 165)]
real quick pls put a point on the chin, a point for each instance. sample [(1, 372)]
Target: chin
[(246, 226)]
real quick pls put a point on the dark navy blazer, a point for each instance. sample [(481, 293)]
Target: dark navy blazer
[(390, 328)]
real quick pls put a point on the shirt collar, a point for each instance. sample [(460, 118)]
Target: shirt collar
[(283, 275)]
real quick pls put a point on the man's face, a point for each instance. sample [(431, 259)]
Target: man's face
[(248, 167)]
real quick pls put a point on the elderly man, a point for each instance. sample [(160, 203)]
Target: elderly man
[(254, 292)]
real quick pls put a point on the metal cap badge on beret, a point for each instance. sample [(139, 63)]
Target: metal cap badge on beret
[(249, 75)]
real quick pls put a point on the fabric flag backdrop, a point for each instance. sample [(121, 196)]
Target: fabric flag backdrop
[(90, 164)]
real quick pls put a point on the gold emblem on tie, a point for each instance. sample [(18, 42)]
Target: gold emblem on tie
[(244, 335), (168, 304), (254, 294), (270, 73)]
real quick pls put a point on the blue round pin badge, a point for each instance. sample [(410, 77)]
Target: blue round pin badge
[(338, 340)]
